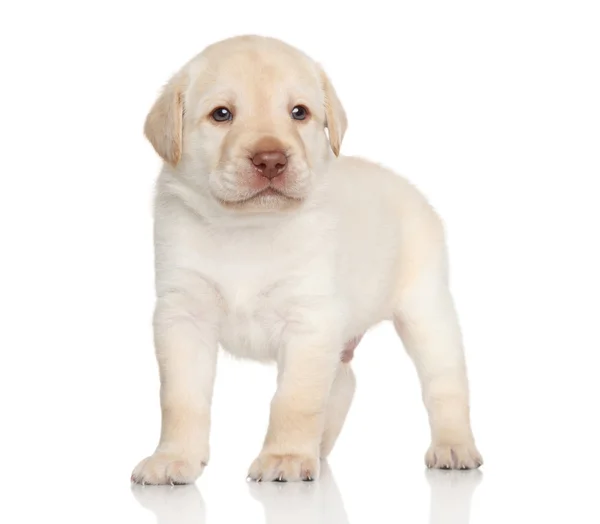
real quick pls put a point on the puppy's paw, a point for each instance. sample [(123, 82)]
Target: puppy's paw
[(462, 455), (283, 468), (167, 468)]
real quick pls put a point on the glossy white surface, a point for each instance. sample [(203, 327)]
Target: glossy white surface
[(451, 495), (492, 109)]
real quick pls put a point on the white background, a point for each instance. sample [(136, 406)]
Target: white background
[(491, 108)]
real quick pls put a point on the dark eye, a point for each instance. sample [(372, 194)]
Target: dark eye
[(222, 114), (299, 113)]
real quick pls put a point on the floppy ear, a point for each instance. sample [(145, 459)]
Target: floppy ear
[(336, 121), (164, 123)]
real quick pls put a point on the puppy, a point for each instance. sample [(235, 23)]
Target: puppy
[(271, 244)]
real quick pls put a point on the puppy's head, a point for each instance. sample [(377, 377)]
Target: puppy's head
[(245, 121)]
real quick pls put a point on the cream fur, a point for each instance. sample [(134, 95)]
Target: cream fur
[(287, 278)]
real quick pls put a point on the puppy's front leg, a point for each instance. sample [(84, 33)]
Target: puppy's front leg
[(186, 339), (307, 369)]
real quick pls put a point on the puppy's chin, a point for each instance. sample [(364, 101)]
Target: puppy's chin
[(268, 200)]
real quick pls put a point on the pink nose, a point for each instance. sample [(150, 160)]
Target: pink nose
[(270, 163)]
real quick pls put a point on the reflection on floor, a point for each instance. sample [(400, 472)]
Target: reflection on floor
[(308, 502), (301, 502), (451, 492), (172, 504)]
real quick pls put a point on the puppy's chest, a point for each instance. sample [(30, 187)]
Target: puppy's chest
[(263, 277), (257, 293)]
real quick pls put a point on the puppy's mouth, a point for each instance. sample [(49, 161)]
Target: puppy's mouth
[(266, 194), (270, 191)]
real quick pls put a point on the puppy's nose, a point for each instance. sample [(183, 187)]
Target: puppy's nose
[(270, 163)]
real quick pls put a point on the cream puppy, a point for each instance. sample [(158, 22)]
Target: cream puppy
[(271, 244)]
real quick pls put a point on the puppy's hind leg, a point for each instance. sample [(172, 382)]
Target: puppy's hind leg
[(340, 399), (426, 320), (429, 330)]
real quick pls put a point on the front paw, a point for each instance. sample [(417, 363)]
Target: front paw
[(167, 468), (462, 455), (284, 467)]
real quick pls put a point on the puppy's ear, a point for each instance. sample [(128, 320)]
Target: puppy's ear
[(164, 123), (336, 121)]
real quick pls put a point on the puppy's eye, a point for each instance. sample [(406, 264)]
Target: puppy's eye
[(299, 113), (222, 114)]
